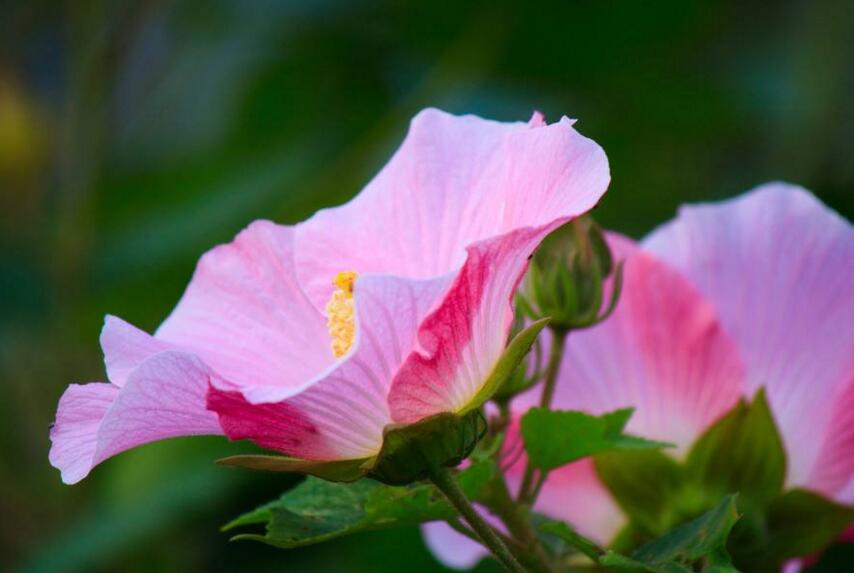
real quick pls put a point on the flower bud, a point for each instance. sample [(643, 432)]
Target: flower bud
[(566, 277)]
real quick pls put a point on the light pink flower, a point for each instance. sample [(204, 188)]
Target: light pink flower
[(753, 292), (438, 241)]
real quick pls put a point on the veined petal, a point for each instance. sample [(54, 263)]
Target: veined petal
[(164, 397), (453, 182), (126, 347), (461, 341), (245, 315), (341, 413), (663, 352), (779, 268), (74, 434)]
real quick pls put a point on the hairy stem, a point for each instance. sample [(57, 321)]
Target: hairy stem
[(444, 480)]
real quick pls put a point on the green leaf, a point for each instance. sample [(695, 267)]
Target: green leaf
[(649, 487), (742, 452), (513, 355), (317, 510), (573, 539), (802, 523), (700, 541), (554, 438)]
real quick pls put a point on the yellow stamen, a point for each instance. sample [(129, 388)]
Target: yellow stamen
[(340, 317)]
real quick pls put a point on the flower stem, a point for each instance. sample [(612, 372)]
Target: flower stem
[(518, 523), (444, 480), (526, 493)]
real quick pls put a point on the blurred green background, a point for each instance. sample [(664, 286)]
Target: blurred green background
[(136, 135)]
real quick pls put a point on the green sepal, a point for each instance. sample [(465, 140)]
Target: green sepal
[(509, 362), (698, 545), (802, 523), (337, 471), (316, 510), (557, 437), (649, 487), (410, 451), (741, 452)]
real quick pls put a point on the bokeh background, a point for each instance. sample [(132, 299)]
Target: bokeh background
[(136, 135)]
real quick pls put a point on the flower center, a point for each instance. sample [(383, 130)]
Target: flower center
[(340, 317)]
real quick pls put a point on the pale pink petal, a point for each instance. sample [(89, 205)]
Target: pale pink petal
[(779, 268), (663, 352), (454, 181), (462, 340), (245, 315), (341, 413), (74, 434), (164, 397), (573, 493), (126, 347), (452, 549)]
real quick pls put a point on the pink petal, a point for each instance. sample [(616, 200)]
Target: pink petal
[(245, 315), (573, 493), (833, 471), (452, 549), (341, 413), (74, 434), (126, 347), (164, 397), (777, 265), (454, 181), (663, 352), (462, 340)]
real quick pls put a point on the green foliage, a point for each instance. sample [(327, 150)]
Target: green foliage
[(700, 541), (573, 539), (698, 545), (317, 510), (649, 487), (742, 452), (801, 523), (554, 438)]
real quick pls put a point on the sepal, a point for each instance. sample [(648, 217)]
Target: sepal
[(410, 451), (336, 471), (508, 365)]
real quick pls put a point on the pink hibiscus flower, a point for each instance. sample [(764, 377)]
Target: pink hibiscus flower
[(310, 339), (728, 298)]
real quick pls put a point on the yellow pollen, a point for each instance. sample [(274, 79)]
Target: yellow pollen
[(340, 317)]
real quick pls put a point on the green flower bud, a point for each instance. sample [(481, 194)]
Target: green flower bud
[(566, 278)]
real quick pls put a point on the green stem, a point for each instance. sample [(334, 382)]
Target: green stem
[(515, 517), (444, 480), (526, 494)]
